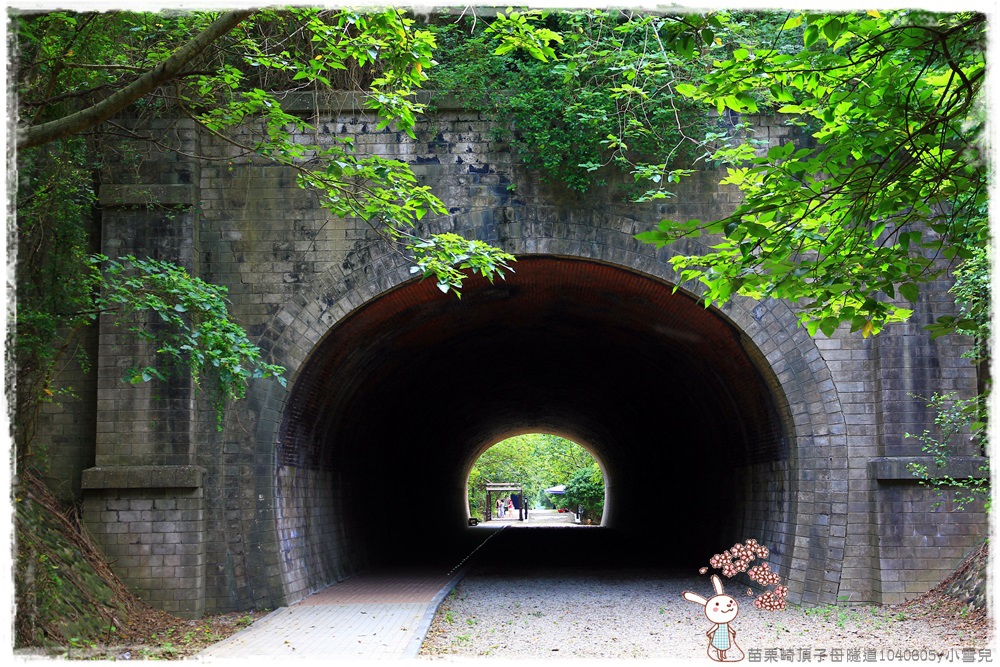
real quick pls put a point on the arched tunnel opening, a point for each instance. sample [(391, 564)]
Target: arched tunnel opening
[(393, 407), (550, 473)]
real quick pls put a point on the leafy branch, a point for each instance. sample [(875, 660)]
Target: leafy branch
[(36, 135), (886, 192), (186, 323), (954, 417)]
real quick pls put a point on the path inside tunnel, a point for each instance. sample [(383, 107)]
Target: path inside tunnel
[(524, 547), (518, 545), (398, 401)]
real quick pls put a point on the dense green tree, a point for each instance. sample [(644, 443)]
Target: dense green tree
[(884, 190), (585, 490), (508, 461), (596, 98), (889, 191)]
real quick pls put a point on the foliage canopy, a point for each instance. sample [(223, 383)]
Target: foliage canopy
[(884, 189), (236, 75), (889, 190), (586, 94)]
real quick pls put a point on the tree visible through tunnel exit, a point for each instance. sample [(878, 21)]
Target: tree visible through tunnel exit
[(540, 461)]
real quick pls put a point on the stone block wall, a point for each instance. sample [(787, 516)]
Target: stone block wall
[(850, 360), (919, 549), (150, 523), (67, 426), (922, 534), (325, 511), (149, 210)]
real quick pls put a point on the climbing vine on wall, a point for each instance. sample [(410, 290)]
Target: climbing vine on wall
[(957, 418), (54, 203), (954, 419)]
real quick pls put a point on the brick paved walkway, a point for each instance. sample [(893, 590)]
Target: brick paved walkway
[(378, 614), (382, 614)]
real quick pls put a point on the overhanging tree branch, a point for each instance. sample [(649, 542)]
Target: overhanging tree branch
[(165, 71)]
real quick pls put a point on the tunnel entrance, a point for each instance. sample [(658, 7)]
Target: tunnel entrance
[(406, 392)]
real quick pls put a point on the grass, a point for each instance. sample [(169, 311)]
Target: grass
[(860, 616)]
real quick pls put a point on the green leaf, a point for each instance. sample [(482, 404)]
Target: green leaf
[(686, 89), (909, 291), (810, 35), (832, 29), (828, 325), (792, 23)]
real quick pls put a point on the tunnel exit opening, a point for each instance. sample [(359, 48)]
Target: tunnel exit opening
[(682, 411), (553, 473)]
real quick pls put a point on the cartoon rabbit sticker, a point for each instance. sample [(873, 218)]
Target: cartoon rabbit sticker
[(720, 609)]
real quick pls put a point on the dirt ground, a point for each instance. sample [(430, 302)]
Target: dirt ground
[(154, 635), (615, 616)]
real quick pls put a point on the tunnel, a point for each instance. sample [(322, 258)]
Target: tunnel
[(392, 408)]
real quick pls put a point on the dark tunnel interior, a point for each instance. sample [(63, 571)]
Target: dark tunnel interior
[(399, 400)]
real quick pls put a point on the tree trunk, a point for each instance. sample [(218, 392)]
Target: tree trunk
[(145, 84)]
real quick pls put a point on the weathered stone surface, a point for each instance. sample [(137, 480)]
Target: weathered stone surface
[(153, 536), (143, 477), (147, 195), (734, 420), (958, 467)]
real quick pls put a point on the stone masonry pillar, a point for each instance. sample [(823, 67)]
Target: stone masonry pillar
[(144, 500), (921, 537)]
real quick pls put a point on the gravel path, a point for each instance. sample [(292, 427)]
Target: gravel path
[(640, 614)]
